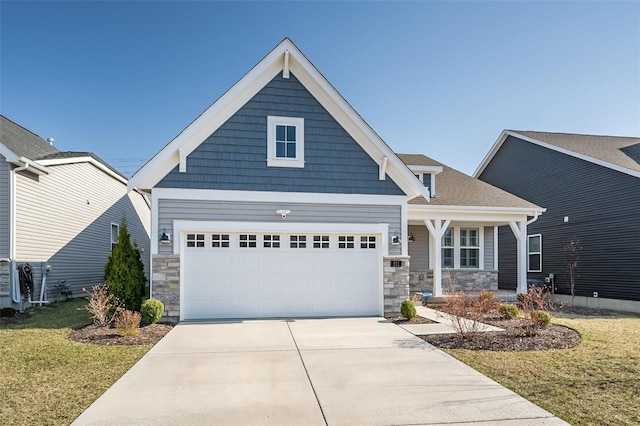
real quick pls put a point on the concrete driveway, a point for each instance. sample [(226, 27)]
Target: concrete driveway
[(339, 371)]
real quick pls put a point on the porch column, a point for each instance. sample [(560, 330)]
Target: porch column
[(436, 229), (519, 229)]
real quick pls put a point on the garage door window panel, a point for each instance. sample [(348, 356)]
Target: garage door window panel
[(367, 242), (271, 241), (195, 240), (321, 241), (248, 241), (220, 240), (346, 241), (298, 241)]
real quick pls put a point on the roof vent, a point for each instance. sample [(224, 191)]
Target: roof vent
[(51, 141)]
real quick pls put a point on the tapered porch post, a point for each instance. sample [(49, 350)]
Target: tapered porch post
[(519, 229), (436, 229)]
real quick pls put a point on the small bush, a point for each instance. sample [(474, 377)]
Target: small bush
[(487, 302), (152, 311), (508, 310), (520, 297), (466, 314), (101, 304), (7, 312), (541, 318), (127, 322), (408, 310)]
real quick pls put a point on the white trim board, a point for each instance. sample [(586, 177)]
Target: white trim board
[(90, 160), (239, 94), (506, 133)]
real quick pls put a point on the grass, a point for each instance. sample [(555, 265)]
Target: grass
[(597, 382), (46, 379)]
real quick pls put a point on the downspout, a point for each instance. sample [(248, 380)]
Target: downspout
[(537, 215), (15, 293)]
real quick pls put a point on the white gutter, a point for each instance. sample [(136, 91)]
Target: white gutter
[(537, 214)]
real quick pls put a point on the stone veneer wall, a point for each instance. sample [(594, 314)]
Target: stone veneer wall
[(166, 284), (465, 280), (395, 284), (5, 283)]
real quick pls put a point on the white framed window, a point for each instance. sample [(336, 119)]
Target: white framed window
[(320, 241), (346, 241), (248, 241), (115, 230), (447, 248), (220, 240), (271, 241), (461, 248), (368, 242), (534, 252), (298, 241), (195, 240), (285, 142), (469, 248)]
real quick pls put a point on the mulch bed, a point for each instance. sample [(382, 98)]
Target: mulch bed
[(416, 320), (19, 317), (513, 339), (106, 335)]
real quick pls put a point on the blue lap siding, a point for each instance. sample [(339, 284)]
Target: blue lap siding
[(234, 156), (603, 207)]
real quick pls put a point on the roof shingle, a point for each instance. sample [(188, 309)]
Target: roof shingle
[(23, 142)]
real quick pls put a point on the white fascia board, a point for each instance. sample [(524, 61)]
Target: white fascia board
[(426, 169), (486, 214), (239, 94), (32, 166), (9, 155), (506, 133), (76, 160), (275, 197)]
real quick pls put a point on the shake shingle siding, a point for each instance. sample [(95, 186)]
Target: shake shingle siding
[(603, 210), (234, 156)]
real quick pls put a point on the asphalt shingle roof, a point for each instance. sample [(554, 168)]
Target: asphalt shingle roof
[(612, 149), (23, 142), (454, 188), (78, 154)]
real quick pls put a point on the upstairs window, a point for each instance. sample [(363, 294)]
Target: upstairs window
[(534, 250), (285, 142), (115, 230)]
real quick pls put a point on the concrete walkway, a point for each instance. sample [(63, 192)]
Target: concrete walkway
[(443, 323), (341, 371)]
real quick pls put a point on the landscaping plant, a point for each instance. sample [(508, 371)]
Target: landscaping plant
[(152, 311), (533, 302), (487, 302), (572, 255), (508, 310), (127, 322), (100, 304), (124, 271), (466, 314), (408, 310)]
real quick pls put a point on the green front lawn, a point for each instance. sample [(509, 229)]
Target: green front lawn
[(46, 379), (597, 382)]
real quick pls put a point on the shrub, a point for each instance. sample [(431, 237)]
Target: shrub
[(127, 322), (408, 310), (124, 271), (508, 310), (466, 314), (542, 318), (487, 301), (100, 304), (152, 311), (7, 312)]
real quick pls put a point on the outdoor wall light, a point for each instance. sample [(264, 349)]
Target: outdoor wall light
[(164, 238), (410, 238), (283, 213), (395, 240)]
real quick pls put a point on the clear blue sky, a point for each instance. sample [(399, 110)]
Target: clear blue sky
[(122, 79)]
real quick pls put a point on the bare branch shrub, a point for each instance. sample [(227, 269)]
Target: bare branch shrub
[(100, 304), (466, 314), (127, 322), (533, 302), (572, 256), (487, 302)]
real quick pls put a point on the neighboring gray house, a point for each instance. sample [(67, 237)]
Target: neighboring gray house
[(279, 201), (591, 188), (62, 209)]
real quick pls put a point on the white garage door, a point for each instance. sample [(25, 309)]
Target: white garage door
[(256, 275)]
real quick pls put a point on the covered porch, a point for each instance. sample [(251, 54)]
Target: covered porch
[(456, 249)]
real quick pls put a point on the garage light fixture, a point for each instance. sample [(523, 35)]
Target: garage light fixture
[(283, 213), (164, 238), (395, 240)]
